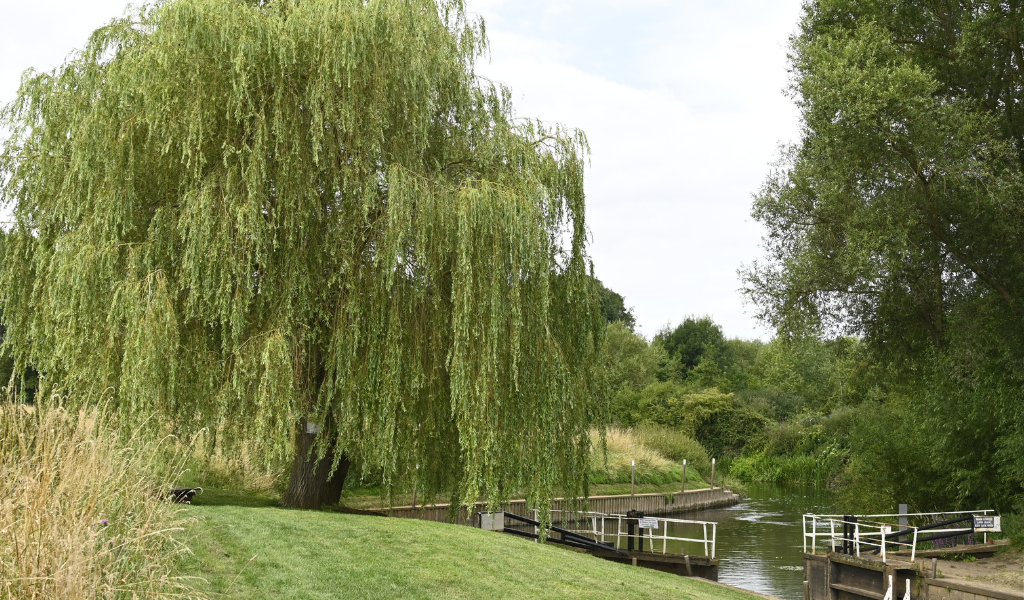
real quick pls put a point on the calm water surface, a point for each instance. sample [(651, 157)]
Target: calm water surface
[(759, 543)]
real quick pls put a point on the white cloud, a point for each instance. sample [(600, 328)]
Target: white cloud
[(682, 103)]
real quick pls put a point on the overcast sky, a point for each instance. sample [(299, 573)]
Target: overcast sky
[(682, 101)]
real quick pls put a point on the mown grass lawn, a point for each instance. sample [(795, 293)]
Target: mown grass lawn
[(266, 552)]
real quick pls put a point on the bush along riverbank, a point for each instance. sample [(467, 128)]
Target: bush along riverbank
[(810, 411)]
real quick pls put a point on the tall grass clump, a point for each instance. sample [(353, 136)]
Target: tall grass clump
[(625, 446), (82, 514), (675, 445)]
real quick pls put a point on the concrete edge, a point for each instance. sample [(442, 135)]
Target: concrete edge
[(973, 589)]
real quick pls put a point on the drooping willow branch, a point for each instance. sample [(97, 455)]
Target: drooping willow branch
[(237, 216)]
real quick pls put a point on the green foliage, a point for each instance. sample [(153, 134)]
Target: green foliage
[(25, 383), (1013, 528), (688, 342), (240, 214), (627, 360), (890, 464), (709, 416), (799, 468), (898, 218), (613, 306), (827, 374)]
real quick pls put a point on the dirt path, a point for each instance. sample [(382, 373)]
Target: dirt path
[(1003, 572)]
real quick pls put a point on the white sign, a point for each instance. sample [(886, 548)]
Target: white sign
[(649, 522), (988, 524)]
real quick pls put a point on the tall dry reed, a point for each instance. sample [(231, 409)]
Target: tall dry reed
[(624, 447), (81, 515), (674, 445)]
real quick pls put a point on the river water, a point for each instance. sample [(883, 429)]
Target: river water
[(759, 540)]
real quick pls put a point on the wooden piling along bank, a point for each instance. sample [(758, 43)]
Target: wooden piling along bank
[(649, 504)]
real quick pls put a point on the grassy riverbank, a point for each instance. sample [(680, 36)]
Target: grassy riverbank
[(251, 552)]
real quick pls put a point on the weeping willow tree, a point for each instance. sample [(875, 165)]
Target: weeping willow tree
[(308, 225)]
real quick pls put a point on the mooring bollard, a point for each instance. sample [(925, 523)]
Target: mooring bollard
[(683, 489)]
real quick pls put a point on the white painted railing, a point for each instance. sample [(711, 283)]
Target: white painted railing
[(709, 530), (870, 531), (599, 527)]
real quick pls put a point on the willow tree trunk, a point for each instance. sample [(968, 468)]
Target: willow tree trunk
[(311, 484)]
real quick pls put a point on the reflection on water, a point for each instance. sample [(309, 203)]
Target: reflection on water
[(759, 544)]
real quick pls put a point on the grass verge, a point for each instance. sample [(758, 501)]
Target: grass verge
[(254, 553), (647, 448)]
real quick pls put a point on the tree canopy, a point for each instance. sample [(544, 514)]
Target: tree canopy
[(691, 340), (900, 214), (240, 215), (613, 306)]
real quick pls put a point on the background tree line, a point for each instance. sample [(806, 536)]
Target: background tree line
[(793, 410), (894, 272)]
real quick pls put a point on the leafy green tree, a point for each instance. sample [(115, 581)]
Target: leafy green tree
[(898, 216), (628, 364), (627, 359), (613, 306), (308, 225), (691, 339)]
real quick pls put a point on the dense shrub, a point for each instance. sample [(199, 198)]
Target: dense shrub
[(799, 468)]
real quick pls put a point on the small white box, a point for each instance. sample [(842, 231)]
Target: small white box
[(492, 521)]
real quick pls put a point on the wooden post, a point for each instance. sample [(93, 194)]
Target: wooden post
[(683, 489), (712, 473), (935, 568), (632, 480), (830, 592)]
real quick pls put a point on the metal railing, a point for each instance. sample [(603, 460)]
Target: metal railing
[(599, 526), (855, 532), (576, 522), (708, 540)]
